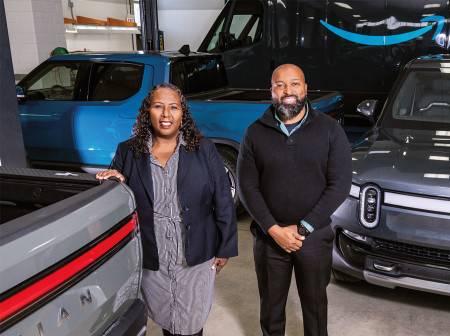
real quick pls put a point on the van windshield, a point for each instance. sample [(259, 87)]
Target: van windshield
[(422, 102)]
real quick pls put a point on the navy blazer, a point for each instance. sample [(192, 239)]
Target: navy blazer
[(204, 193)]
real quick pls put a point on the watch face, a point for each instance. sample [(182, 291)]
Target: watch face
[(302, 230)]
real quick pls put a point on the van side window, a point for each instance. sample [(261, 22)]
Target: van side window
[(114, 82), (56, 81), (245, 29), (213, 45)]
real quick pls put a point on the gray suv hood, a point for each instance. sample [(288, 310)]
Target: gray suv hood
[(409, 161)]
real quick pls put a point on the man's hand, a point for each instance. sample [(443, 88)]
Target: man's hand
[(106, 174), (218, 264), (287, 237)]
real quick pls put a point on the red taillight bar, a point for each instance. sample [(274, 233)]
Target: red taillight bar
[(23, 298)]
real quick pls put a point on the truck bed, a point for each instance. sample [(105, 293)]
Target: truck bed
[(26, 190)]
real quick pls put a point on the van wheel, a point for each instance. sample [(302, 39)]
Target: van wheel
[(229, 158), (340, 276)]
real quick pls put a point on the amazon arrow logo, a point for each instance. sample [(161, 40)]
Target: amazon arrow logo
[(389, 39)]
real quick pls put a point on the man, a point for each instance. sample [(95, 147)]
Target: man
[(294, 170)]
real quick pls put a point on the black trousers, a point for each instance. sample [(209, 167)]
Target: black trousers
[(312, 268)]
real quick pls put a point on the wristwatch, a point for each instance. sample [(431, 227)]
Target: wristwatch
[(302, 230)]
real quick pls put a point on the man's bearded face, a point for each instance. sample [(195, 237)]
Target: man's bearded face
[(288, 111)]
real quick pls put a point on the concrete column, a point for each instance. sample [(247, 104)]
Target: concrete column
[(35, 28)]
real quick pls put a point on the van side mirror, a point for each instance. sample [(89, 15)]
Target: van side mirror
[(367, 109)]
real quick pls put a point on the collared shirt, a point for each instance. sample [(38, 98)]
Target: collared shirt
[(285, 131)]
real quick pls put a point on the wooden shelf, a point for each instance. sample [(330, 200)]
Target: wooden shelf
[(69, 21), (91, 21), (117, 22)]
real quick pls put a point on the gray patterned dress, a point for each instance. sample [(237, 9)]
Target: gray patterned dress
[(178, 297)]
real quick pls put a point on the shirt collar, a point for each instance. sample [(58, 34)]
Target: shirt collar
[(283, 128), (181, 141)]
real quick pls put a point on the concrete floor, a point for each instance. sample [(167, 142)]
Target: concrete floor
[(358, 309)]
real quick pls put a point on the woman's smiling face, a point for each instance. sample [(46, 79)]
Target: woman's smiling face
[(166, 113)]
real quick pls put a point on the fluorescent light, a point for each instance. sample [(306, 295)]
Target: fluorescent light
[(356, 15), (379, 152), (441, 176), (443, 133), (86, 27), (441, 145), (439, 158), (343, 5), (417, 202), (95, 29), (71, 30), (122, 28), (432, 6)]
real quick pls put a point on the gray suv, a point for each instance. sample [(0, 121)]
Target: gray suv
[(394, 228)]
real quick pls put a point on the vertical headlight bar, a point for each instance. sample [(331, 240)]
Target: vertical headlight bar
[(369, 206)]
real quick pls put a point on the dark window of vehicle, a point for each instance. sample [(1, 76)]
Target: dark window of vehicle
[(422, 101), (213, 45), (114, 81), (245, 28), (198, 74), (55, 81)]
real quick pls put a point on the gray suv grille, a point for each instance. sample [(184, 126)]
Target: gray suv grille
[(412, 252)]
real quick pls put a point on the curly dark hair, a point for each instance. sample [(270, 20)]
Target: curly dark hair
[(143, 127)]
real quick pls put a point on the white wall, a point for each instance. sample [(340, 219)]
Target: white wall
[(96, 9), (187, 21), (183, 22), (185, 27), (35, 28), (99, 10)]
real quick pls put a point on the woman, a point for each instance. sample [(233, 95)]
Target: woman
[(186, 212)]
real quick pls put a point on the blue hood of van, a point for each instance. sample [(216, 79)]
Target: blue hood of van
[(408, 161)]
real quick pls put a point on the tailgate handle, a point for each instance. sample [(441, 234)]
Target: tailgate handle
[(385, 267)]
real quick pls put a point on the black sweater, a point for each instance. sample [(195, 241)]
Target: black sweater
[(306, 176)]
